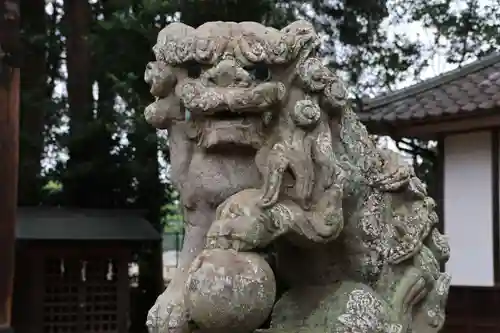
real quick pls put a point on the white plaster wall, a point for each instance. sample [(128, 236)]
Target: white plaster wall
[(468, 208)]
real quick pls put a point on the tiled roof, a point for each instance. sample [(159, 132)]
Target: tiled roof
[(467, 90)]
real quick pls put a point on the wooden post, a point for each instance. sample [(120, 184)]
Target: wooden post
[(9, 154)]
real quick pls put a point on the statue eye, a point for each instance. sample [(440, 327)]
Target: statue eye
[(260, 72), (193, 70)]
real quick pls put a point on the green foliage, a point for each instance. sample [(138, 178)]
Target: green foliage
[(171, 212), (423, 155), (52, 186), (197, 12), (464, 31), (356, 43)]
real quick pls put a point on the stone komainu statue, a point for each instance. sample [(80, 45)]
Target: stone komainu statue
[(295, 220)]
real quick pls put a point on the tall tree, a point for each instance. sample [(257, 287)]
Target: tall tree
[(464, 30), (197, 12), (77, 22), (136, 23), (35, 97), (112, 179), (358, 44)]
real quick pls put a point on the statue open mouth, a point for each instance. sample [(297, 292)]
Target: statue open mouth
[(230, 115), (231, 129)]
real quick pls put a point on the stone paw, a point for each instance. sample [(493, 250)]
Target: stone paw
[(434, 305), (168, 314), (241, 233), (235, 234)]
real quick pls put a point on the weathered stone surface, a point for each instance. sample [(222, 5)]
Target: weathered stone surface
[(230, 291), (269, 157)]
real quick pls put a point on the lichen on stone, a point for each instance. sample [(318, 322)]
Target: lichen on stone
[(269, 158)]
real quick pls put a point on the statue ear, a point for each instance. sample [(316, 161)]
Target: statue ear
[(176, 30), (300, 27), (173, 32), (302, 35)]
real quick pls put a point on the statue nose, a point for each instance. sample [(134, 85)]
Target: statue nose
[(148, 73), (225, 79), (228, 73)]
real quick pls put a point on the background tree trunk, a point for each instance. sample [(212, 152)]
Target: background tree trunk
[(9, 146), (35, 93), (77, 19)]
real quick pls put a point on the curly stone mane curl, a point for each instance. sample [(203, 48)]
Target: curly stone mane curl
[(317, 139), (304, 141)]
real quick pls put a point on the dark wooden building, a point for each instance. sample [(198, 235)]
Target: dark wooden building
[(72, 269), (461, 111)]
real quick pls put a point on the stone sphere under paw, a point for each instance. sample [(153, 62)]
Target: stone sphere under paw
[(229, 290)]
